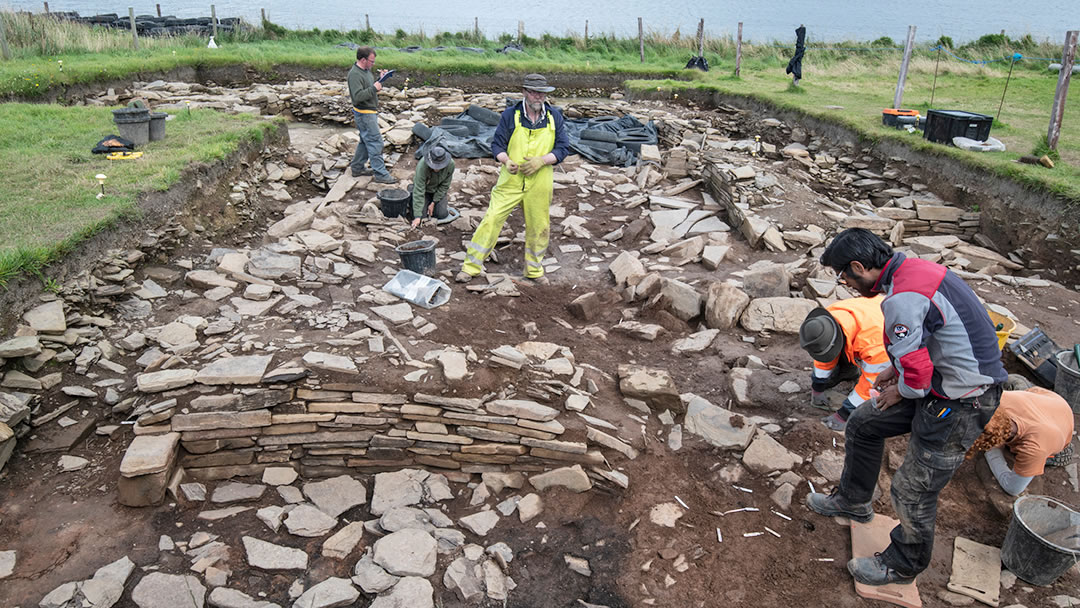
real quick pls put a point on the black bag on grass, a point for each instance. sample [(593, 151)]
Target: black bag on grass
[(113, 143)]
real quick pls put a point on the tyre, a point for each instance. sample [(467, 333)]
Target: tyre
[(1062, 458), (602, 146), (455, 130), (483, 115), (422, 131), (599, 135), (633, 142), (599, 120), (471, 125)]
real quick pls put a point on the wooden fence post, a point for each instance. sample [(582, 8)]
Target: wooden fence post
[(641, 39), (899, 96), (213, 18), (701, 38), (476, 27), (158, 9), (3, 42), (367, 22), (134, 30), (1057, 111), (262, 16), (521, 31), (46, 8), (738, 50), (586, 32)]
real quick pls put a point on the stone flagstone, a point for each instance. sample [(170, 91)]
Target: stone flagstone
[(330, 362), (397, 489), (47, 318), (235, 370), (410, 592), (307, 520), (236, 492), (407, 553), (223, 597), (160, 590), (336, 495), (22, 346), (155, 382), (149, 454), (766, 455), (480, 523), (330, 593), (370, 576), (715, 425), (268, 556), (342, 543), (573, 478)]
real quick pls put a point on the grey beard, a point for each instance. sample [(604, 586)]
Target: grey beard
[(535, 107)]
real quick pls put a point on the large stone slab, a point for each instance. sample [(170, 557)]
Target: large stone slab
[(370, 576), (149, 454), (235, 370), (237, 492), (682, 299), (336, 495), (410, 592), (718, 426), (342, 543), (330, 362), (766, 455), (397, 489), (655, 387), (156, 382), (205, 421), (307, 520), (480, 523), (223, 597), (408, 552), (160, 590), (268, 556), (522, 408), (48, 318), (273, 266), (21, 346), (572, 478), (783, 315), (330, 593)]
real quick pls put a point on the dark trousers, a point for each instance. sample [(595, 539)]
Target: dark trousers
[(936, 449), (442, 210)]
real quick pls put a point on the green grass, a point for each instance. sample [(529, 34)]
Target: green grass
[(48, 192)]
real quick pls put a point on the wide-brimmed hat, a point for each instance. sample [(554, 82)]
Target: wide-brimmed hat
[(437, 157), (821, 336), (536, 82)]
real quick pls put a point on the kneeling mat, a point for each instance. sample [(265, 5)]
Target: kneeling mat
[(868, 539), (976, 571)]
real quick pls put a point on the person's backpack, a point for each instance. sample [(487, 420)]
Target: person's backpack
[(699, 63)]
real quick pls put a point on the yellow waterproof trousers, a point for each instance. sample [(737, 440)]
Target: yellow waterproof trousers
[(532, 191)]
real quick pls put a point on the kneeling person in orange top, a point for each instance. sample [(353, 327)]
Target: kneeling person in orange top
[(1034, 424), (846, 340)]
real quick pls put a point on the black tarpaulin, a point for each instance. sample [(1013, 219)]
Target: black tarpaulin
[(794, 67)]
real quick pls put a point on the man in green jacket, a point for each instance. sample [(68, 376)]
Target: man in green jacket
[(364, 94), (430, 185)]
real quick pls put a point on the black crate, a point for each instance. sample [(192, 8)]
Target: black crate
[(943, 125)]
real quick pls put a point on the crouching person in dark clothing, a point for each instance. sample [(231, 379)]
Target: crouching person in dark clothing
[(431, 183), (942, 387)]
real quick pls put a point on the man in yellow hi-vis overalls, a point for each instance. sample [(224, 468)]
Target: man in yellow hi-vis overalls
[(530, 138)]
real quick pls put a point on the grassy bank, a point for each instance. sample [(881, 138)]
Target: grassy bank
[(47, 188)]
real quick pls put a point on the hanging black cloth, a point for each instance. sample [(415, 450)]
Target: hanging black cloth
[(794, 67)]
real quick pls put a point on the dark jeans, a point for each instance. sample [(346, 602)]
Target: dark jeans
[(936, 449), (441, 208)]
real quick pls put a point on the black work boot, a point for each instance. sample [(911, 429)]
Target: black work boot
[(873, 571), (834, 505)]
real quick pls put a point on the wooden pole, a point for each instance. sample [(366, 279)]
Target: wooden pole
[(476, 27), (46, 8), (3, 43), (701, 38), (586, 32), (1057, 111), (934, 88), (738, 50), (899, 97), (262, 15), (641, 39), (1007, 79), (134, 30), (521, 31), (367, 22), (213, 18), (158, 9)]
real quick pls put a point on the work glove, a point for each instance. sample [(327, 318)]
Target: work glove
[(818, 399), (532, 165)]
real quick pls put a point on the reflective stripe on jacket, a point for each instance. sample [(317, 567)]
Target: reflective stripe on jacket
[(863, 324)]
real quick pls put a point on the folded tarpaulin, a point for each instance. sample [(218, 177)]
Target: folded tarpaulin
[(113, 143)]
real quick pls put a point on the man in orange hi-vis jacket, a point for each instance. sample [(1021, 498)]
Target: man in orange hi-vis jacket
[(845, 340)]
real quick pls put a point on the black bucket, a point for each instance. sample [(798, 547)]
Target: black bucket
[(157, 125), (417, 256), (1030, 551), (394, 202), (133, 124)]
